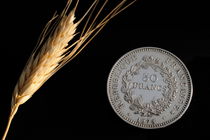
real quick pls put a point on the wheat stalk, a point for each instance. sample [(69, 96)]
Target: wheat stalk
[(53, 53)]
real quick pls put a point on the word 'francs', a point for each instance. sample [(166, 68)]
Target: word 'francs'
[(151, 87)]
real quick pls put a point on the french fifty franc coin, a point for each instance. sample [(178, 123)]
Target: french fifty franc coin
[(149, 88)]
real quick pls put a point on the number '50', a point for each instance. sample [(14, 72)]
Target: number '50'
[(149, 77)]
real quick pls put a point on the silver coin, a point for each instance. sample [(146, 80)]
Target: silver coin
[(149, 88)]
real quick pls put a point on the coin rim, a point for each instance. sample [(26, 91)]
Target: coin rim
[(163, 124)]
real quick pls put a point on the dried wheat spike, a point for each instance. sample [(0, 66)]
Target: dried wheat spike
[(53, 53)]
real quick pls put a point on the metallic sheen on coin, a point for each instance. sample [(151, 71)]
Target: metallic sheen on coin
[(149, 88)]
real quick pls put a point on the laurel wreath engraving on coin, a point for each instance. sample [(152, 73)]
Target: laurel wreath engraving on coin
[(155, 107)]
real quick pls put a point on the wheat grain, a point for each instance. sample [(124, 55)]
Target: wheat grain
[(51, 55)]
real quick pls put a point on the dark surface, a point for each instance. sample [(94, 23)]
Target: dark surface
[(74, 101)]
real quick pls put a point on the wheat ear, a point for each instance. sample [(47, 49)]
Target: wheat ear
[(53, 53)]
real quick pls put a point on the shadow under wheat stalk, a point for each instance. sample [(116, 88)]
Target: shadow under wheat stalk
[(53, 53)]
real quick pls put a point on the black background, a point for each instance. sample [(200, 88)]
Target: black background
[(74, 101)]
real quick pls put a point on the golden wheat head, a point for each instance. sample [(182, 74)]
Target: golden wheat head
[(53, 53)]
